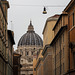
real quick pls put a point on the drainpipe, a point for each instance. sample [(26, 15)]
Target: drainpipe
[(55, 58), (60, 55), (69, 43)]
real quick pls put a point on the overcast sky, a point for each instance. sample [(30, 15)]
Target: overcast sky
[(21, 11)]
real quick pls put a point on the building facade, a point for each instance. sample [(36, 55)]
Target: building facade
[(60, 46), (16, 64), (6, 42), (47, 60), (48, 35), (2, 44), (29, 45), (9, 52), (64, 43), (70, 9)]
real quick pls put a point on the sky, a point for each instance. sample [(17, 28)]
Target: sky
[(22, 11)]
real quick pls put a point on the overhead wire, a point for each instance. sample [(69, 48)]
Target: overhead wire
[(40, 5)]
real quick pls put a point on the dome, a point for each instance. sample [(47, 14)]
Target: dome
[(30, 38)]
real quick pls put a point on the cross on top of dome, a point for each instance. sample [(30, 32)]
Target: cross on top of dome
[(30, 27)]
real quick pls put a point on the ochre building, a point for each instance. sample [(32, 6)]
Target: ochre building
[(48, 35)]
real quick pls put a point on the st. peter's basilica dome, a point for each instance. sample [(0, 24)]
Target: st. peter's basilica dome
[(30, 38)]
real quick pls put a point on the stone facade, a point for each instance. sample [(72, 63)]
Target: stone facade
[(48, 33), (6, 44), (27, 53), (47, 60), (70, 9), (10, 52), (16, 63), (64, 42), (60, 46)]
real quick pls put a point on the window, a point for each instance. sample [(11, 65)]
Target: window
[(73, 19), (27, 53), (32, 53)]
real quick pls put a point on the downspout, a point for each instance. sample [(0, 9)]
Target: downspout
[(69, 43), (55, 58), (60, 55)]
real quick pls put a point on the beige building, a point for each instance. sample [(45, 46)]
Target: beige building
[(42, 64), (60, 46), (29, 44), (48, 33)]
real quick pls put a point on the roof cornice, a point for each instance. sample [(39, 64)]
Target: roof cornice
[(71, 3)]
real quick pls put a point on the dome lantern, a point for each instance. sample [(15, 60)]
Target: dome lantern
[(30, 27)]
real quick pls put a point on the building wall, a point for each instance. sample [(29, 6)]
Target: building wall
[(3, 38), (63, 21), (40, 68), (16, 64), (48, 31), (10, 52), (70, 9), (47, 62), (39, 63), (71, 18), (6, 46), (60, 55), (61, 46), (48, 35)]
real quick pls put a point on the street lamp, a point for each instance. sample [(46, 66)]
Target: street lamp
[(44, 10)]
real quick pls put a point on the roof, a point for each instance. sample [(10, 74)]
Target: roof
[(30, 38), (64, 13), (71, 3), (58, 34), (52, 18)]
